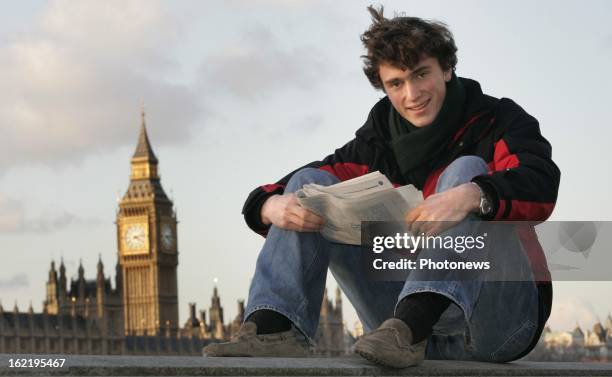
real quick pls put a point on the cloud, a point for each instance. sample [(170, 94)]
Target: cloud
[(258, 64), (18, 281), (73, 84), (13, 219), (11, 215)]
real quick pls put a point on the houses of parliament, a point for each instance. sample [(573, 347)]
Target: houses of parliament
[(137, 314)]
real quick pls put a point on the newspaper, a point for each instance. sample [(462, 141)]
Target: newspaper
[(345, 205)]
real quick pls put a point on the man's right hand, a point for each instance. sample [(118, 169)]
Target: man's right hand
[(285, 212)]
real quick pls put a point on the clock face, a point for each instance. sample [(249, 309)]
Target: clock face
[(167, 237), (135, 237)]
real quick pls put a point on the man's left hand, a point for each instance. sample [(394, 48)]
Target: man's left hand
[(443, 210)]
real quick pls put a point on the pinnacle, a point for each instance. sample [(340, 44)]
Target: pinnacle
[(144, 149)]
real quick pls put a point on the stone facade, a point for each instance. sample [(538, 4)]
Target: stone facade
[(89, 322)]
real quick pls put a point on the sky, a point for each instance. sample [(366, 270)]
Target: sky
[(237, 94)]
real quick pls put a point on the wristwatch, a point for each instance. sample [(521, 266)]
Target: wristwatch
[(485, 207)]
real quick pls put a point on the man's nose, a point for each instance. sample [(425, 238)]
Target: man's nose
[(412, 92)]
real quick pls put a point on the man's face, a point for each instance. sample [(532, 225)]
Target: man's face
[(416, 94)]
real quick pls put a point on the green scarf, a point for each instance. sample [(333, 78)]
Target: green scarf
[(417, 149)]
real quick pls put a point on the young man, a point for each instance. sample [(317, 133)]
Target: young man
[(474, 156)]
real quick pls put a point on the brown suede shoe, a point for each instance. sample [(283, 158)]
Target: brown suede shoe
[(247, 343), (390, 345)]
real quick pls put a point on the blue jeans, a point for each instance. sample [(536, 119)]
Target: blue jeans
[(487, 320)]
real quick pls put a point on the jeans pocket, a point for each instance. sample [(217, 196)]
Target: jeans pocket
[(516, 343)]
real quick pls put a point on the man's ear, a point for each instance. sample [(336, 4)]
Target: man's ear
[(448, 74)]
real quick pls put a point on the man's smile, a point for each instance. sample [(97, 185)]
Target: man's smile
[(420, 106)]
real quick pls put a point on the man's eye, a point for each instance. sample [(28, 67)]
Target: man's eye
[(395, 84), (422, 75)]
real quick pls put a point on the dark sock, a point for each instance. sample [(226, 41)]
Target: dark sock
[(420, 312), (269, 321)]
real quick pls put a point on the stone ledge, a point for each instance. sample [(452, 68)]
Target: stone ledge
[(84, 365)]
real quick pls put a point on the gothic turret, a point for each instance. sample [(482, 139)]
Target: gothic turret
[(81, 283), (100, 288), (578, 330), (216, 316), (118, 277), (216, 311), (51, 304), (240, 315), (52, 273), (608, 324), (100, 268), (193, 319), (598, 329), (325, 304), (338, 298), (63, 295), (81, 270)]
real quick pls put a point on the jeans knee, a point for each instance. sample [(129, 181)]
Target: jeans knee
[(460, 171), (310, 175)]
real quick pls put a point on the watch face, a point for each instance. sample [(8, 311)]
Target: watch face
[(167, 237), (485, 206), (135, 237)]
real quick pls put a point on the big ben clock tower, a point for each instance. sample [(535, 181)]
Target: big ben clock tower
[(147, 243)]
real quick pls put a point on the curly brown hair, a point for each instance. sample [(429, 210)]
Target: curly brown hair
[(403, 42)]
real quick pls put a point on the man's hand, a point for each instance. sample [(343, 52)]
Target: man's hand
[(285, 212), (442, 211)]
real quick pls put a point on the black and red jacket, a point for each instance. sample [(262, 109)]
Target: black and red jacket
[(523, 180)]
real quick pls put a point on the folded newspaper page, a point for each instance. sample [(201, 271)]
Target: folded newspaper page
[(345, 205)]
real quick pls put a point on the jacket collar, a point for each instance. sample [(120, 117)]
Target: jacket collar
[(376, 128)]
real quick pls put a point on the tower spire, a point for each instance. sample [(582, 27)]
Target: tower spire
[(144, 163), (81, 270), (100, 276), (143, 149)]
